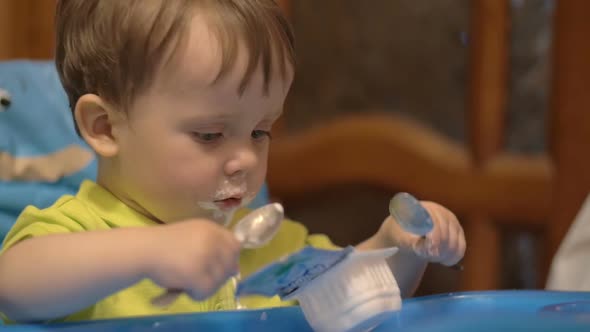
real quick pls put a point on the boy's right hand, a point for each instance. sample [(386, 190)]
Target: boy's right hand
[(195, 256)]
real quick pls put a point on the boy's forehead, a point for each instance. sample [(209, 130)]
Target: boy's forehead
[(198, 60)]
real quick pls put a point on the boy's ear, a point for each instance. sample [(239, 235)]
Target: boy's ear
[(95, 120)]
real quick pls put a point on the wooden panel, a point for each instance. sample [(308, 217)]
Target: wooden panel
[(488, 76), (482, 264), (391, 152), (26, 29), (488, 90), (570, 117)]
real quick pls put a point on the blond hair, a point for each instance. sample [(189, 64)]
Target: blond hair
[(113, 48)]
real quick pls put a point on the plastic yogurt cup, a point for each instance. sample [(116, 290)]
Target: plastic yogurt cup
[(357, 294)]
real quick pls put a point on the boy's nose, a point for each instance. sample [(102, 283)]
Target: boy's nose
[(241, 162)]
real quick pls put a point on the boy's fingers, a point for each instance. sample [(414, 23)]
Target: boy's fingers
[(451, 250), (420, 247)]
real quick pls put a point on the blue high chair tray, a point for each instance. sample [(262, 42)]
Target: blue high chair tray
[(470, 311)]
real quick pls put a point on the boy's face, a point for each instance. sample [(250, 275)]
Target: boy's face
[(190, 148)]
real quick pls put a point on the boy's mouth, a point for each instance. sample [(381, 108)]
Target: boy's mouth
[(228, 203)]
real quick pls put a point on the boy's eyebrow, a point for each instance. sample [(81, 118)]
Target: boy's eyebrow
[(212, 117), (219, 116)]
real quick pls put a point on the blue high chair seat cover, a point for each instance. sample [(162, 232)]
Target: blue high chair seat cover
[(35, 128)]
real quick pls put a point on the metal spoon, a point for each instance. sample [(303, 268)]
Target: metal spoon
[(258, 227), (255, 230), (413, 217)]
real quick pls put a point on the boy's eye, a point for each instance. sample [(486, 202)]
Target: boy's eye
[(260, 134), (208, 137)]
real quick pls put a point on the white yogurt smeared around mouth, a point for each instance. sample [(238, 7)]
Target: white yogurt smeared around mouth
[(226, 201)]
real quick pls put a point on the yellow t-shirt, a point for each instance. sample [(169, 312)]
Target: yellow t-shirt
[(95, 208)]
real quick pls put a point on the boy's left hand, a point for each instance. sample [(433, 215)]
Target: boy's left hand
[(445, 244)]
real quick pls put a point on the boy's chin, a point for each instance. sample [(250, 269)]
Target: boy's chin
[(225, 217), (216, 214)]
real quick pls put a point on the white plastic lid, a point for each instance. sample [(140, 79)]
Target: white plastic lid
[(356, 295)]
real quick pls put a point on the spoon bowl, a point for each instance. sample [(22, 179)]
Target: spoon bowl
[(410, 215), (259, 227)]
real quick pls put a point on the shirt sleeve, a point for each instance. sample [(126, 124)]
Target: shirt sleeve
[(321, 241), (34, 222)]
